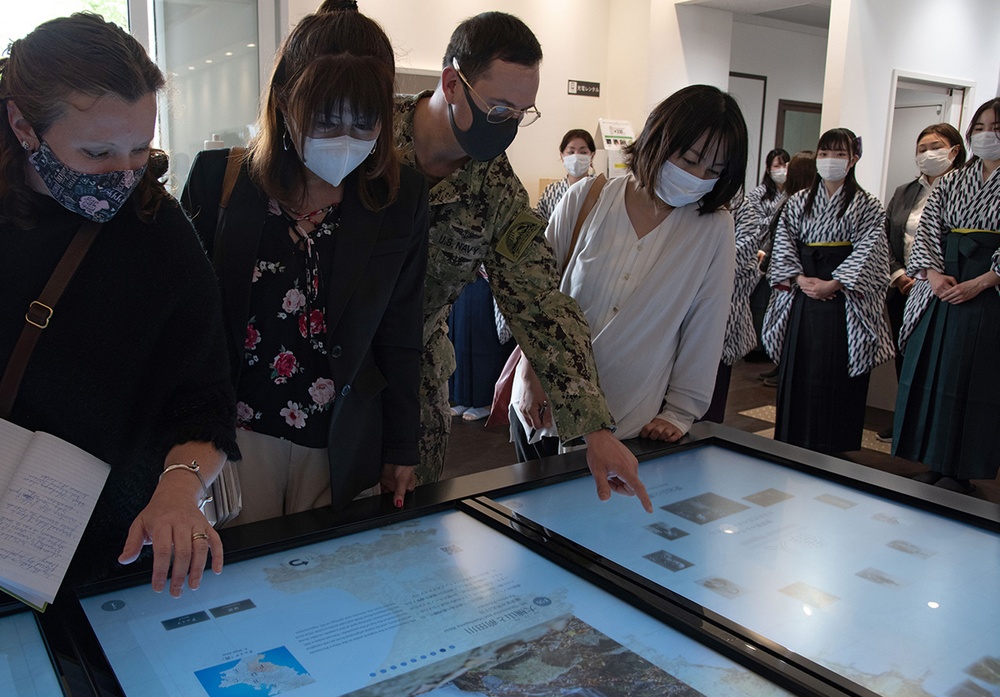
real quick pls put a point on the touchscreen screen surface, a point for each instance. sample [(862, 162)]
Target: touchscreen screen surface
[(896, 599), (25, 667), (442, 605)]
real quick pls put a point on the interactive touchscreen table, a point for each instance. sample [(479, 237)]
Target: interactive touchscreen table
[(889, 596), (441, 605), (26, 668), (764, 570)]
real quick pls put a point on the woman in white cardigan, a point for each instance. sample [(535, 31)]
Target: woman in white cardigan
[(652, 270)]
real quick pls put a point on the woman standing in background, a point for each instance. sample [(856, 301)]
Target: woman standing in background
[(947, 404), (825, 321), (576, 150), (752, 217)]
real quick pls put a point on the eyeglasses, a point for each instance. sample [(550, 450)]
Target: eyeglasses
[(499, 113)]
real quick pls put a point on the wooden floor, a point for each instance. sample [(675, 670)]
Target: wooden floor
[(474, 448)]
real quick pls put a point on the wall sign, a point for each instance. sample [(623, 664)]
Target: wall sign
[(583, 89)]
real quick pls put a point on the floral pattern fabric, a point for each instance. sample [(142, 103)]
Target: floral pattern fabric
[(285, 389)]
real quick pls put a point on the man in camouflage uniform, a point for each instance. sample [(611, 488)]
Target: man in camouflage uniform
[(456, 136)]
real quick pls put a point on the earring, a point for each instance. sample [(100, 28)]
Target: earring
[(24, 144), (285, 140)]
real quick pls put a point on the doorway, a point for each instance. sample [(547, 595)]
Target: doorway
[(798, 125)]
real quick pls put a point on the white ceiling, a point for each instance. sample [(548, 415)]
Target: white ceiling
[(812, 13)]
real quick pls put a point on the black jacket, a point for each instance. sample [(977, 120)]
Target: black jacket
[(896, 215), (374, 311)]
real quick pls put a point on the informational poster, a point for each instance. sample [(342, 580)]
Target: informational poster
[(896, 599), (25, 667), (441, 606)]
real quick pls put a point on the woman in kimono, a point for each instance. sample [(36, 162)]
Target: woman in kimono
[(652, 270), (947, 402), (752, 217), (825, 326)]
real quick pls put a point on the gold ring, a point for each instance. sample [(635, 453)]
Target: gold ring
[(199, 536)]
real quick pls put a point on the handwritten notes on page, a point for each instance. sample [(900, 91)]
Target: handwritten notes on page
[(48, 490)]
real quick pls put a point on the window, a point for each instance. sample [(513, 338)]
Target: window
[(210, 52)]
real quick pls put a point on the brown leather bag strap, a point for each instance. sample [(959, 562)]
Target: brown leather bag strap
[(588, 205), (40, 312), (233, 164), (232, 172)]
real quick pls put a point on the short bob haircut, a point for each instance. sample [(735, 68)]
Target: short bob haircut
[(331, 61), (575, 133), (952, 136), (770, 187), (79, 54), (490, 36), (673, 127), (837, 139), (993, 104)]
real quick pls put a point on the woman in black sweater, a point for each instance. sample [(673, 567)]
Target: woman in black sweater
[(132, 366)]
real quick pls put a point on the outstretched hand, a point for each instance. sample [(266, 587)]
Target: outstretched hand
[(173, 524), (614, 467)]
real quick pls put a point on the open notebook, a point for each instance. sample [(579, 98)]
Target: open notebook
[(48, 490)]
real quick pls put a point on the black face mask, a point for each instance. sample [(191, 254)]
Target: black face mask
[(484, 140)]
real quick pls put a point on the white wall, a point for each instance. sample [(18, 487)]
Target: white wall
[(794, 63), (871, 38), (642, 50)]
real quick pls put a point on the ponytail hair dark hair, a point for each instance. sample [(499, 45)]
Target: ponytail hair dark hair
[(838, 139)]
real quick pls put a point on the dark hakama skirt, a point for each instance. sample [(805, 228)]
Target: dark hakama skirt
[(479, 355), (948, 404), (820, 407)]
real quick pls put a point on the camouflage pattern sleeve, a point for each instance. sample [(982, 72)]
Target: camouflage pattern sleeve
[(549, 326)]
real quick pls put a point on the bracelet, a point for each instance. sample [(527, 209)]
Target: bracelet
[(195, 469)]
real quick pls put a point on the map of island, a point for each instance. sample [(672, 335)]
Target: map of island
[(270, 673)]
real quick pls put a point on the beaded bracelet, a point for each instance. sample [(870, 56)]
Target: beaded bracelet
[(196, 470)]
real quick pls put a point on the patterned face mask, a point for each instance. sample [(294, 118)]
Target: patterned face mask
[(97, 197)]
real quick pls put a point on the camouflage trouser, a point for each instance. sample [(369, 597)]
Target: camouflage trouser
[(436, 366)]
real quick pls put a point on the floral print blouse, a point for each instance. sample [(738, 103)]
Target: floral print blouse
[(284, 388)]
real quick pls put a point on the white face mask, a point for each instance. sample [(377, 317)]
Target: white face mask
[(985, 145), (577, 164), (778, 176), (832, 169), (332, 159), (677, 187), (934, 163)]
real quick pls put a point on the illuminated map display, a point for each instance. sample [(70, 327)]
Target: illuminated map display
[(896, 599), (25, 667), (441, 606)]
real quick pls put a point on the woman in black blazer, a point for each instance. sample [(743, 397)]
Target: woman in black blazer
[(320, 254), (939, 150)]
